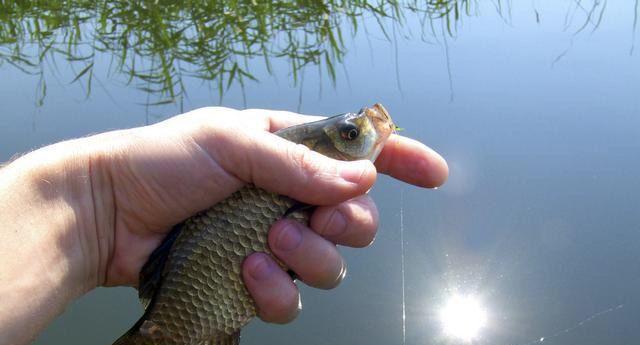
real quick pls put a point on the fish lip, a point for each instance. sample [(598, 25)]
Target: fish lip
[(382, 110), (381, 120)]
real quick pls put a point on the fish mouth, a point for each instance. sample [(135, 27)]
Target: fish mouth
[(383, 125), (381, 120)]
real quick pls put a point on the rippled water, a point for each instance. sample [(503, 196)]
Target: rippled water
[(535, 104)]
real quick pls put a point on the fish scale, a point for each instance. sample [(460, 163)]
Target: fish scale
[(192, 283), (213, 246)]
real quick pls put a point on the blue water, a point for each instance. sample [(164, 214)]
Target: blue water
[(540, 218)]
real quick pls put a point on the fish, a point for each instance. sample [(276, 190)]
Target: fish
[(191, 286)]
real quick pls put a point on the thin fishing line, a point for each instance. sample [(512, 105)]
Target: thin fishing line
[(635, 26), (577, 325), (404, 314)]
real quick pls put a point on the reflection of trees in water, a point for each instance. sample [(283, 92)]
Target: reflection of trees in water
[(155, 45), (636, 12)]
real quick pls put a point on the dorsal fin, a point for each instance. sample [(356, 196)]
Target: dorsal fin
[(151, 272), (298, 207), (150, 279)]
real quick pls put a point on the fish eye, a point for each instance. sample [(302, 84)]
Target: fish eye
[(349, 131)]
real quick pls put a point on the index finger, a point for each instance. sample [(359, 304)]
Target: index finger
[(413, 162), (402, 158)]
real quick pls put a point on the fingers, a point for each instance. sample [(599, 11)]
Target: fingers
[(352, 223), (402, 158), (412, 162), (280, 166), (311, 254), (315, 260), (276, 296), (166, 172)]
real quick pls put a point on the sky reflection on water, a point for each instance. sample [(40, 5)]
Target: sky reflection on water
[(539, 120), (463, 317)]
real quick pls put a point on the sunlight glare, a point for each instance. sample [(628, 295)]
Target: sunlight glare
[(463, 317)]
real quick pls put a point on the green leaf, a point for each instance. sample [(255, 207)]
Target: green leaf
[(83, 72), (232, 74)]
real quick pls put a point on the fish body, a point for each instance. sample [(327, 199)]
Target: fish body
[(192, 284)]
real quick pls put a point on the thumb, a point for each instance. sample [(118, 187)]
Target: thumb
[(253, 155), (167, 172)]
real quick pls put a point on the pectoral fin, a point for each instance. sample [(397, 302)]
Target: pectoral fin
[(296, 208), (295, 212), (151, 272)]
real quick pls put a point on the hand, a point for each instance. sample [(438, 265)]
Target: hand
[(88, 212)]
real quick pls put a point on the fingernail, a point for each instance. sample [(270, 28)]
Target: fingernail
[(337, 224), (293, 314), (290, 237), (339, 278), (262, 268), (353, 171), (343, 273)]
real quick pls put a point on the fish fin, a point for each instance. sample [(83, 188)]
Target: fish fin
[(293, 275), (151, 272), (129, 338), (224, 339), (298, 207), (125, 339), (143, 331), (294, 213), (150, 278)]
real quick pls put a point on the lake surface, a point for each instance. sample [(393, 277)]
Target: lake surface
[(535, 105)]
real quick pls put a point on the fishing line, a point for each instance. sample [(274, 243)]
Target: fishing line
[(576, 325), (404, 314)]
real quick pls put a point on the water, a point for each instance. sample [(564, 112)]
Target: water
[(537, 115), (403, 271)]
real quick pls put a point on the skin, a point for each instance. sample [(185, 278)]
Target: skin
[(88, 212)]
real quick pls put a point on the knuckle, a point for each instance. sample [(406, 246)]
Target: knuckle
[(303, 160), (363, 216), (329, 274)]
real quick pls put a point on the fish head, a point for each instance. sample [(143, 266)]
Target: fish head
[(360, 135), (349, 136)]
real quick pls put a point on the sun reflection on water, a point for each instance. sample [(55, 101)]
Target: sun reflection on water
[(463, 317)]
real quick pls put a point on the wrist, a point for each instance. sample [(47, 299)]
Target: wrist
[(49, 238)]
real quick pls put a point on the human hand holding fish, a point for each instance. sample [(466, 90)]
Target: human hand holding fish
[(89, 212)]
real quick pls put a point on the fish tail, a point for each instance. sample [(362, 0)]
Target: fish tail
[(126, 339), (132, 336)]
